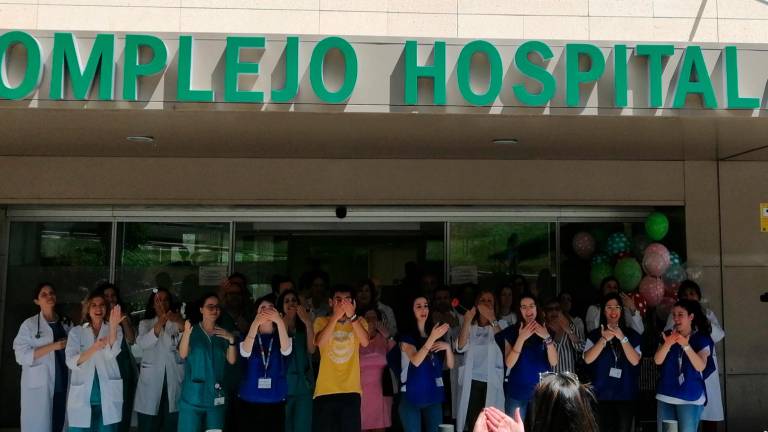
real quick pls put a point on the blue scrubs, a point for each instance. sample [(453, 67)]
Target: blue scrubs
[(523, 377)]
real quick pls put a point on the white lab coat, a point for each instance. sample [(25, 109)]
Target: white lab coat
[(104, 363), (633, 320), (495, 372), (160, 360), (37, 376)]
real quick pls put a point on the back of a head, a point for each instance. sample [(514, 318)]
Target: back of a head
[(562, 404)]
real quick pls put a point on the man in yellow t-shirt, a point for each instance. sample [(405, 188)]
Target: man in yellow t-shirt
[(339, 336)]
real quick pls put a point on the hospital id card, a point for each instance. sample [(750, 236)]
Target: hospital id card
[(615, 373), (265, 383)]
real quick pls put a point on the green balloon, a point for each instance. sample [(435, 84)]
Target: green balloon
[(628, 273), (599, 272), (656, 226)]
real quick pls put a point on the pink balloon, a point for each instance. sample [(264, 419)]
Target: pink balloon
[(652, 289), (583, 244), (655, 264), (657, 248)]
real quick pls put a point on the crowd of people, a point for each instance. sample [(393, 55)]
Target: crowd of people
[(321, 357)]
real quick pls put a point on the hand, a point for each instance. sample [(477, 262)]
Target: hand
[(469, 315), (682, 340), (349, 308), (303, 314), (607, 334), (60, 344), (438, 332), (628, 302), (174, 317), (116, 315), (671, 339), (541, 331), (271, 315), (187, 327), (382, 329), (486, 312), (497, 421), (617, 332), (99, 344), (338, 311), (220, 332), (440, 346), (526, 331)]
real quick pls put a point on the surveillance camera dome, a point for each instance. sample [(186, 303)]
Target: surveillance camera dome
[(341, 212)]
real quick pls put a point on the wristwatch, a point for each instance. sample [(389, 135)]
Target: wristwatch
[(495, 323), (686, 347), (353, 318), (624, 340)]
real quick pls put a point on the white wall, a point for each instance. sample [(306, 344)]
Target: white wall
[(732, 21)]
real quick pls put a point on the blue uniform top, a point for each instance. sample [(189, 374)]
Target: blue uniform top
[(204, 369), (264, 384), (679, 381), (523, 377), (607, 387), (421, 382)]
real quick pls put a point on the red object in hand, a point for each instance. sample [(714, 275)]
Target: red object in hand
[(455, 302), (640, 303)]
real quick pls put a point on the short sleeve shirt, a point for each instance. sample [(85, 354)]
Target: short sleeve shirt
[(339, 359)]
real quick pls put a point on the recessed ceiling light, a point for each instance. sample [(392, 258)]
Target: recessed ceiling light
[(505, 141), (141, 138)]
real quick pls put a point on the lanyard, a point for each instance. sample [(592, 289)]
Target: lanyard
[(265, 359), (615, 352)]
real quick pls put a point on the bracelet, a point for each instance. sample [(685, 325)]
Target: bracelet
[(232, 343), (624, 340), (353, 318), (548, 340), (494, 323), (686, 347)]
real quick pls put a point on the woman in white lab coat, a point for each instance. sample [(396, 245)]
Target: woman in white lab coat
[(95, 399), (162, 369), (39, 348), (482, 375)]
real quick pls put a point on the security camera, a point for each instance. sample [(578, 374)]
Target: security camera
[(341, 212), (764, 297)]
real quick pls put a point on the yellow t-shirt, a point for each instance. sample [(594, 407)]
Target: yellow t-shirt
[(339, 360)]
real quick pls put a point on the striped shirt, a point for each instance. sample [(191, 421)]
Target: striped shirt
[(569, 351)]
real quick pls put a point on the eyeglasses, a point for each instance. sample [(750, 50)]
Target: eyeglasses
[(613, 308), (212, 307)]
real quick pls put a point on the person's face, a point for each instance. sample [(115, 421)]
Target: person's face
[(682, 319), (290, 303), (442, 300), (110, 295), (486, 299), (340, 298), (97, 309), (233, 295), (284, 286), (46, 298), (610, 287), (519, 286), (566, 303), (429, 283), (528, 309), (211, 309), (162, 302), (373, 321), (552, 313), (689, 294), (265, 306), (506, 297), (364, 296), (612, 312), (318, 287), (421, 309)]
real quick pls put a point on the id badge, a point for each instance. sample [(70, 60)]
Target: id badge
[(265, 383), (218, 401), (681, 379), (615, 373), (439, 382)]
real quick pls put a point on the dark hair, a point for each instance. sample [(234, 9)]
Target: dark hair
[(518, 278), (270, 298), (532, 296), (700, 321), (605, 281), (103, 287), (409, 325), (341, 288), (603, 320), (369, 308), (306, 279), (87, 305), (688, 285), (40, 287), (562, 404), (149, 309), (280, 308), (280, 279), (193, 313), (241, 276)]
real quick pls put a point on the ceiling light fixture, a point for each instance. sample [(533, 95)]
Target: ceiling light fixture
[(141, 139), (506, 141)]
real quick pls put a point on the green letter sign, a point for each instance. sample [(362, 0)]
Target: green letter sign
[(464, 74), (234, 68), (184, 79), (34, 71), (535, 72), (574, 76), (413, 72), (732, 83), (66, 57), (316, 69), (694, 62), (291, 87), (655, 54), (132, 69)]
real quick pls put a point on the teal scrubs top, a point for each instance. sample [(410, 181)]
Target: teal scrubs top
[(204, 369), (299, 368)]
